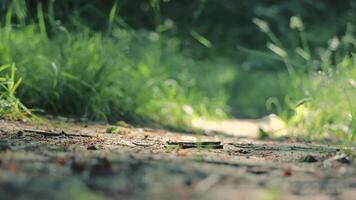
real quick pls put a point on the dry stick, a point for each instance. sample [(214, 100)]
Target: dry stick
[(194, 143), (53, 134), (320, 149), (143, 144), (188, 146), (203, 144)]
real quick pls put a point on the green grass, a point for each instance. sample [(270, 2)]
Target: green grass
[(330, 112), (69, 65), (121, 75), (10, 106), (320, 88)]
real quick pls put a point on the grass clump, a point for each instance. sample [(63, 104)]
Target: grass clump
[(11, 107), (320, 91), (118, 130), (330, 112), (121, 75)]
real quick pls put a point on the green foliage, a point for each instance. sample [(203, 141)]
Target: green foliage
[(262, 134), (10, 106), (169, 61), (331, 110), (126, 75), (321, 88), (118, 130)]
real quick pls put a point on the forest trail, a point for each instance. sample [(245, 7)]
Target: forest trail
[(83, 161), (242, 127)]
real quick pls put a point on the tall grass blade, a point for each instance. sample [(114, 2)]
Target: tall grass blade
[(41, 21), (112, 15)]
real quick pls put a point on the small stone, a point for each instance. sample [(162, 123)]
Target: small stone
[(60, 161), (243, 151), (287, 172), (20, 133), (188, 182), (309, 159), (63, 133), (92, 147)]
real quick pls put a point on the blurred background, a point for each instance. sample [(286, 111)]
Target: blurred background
[(168, 61)]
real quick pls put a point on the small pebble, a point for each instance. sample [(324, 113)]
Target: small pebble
[(309, 159), (92, 147), (20, 133)]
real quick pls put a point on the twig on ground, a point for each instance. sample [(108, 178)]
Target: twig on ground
[(203, 144), (143, 144), (53, 134)]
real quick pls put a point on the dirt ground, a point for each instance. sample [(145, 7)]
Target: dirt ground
[(82, 161)]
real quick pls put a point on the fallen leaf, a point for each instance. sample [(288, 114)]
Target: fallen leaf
[(287, 172)]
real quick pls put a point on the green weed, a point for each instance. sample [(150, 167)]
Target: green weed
[(10, 105), (321, 87), (126, 75)]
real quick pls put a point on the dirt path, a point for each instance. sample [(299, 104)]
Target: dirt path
[(84, 162), (242, 127)]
